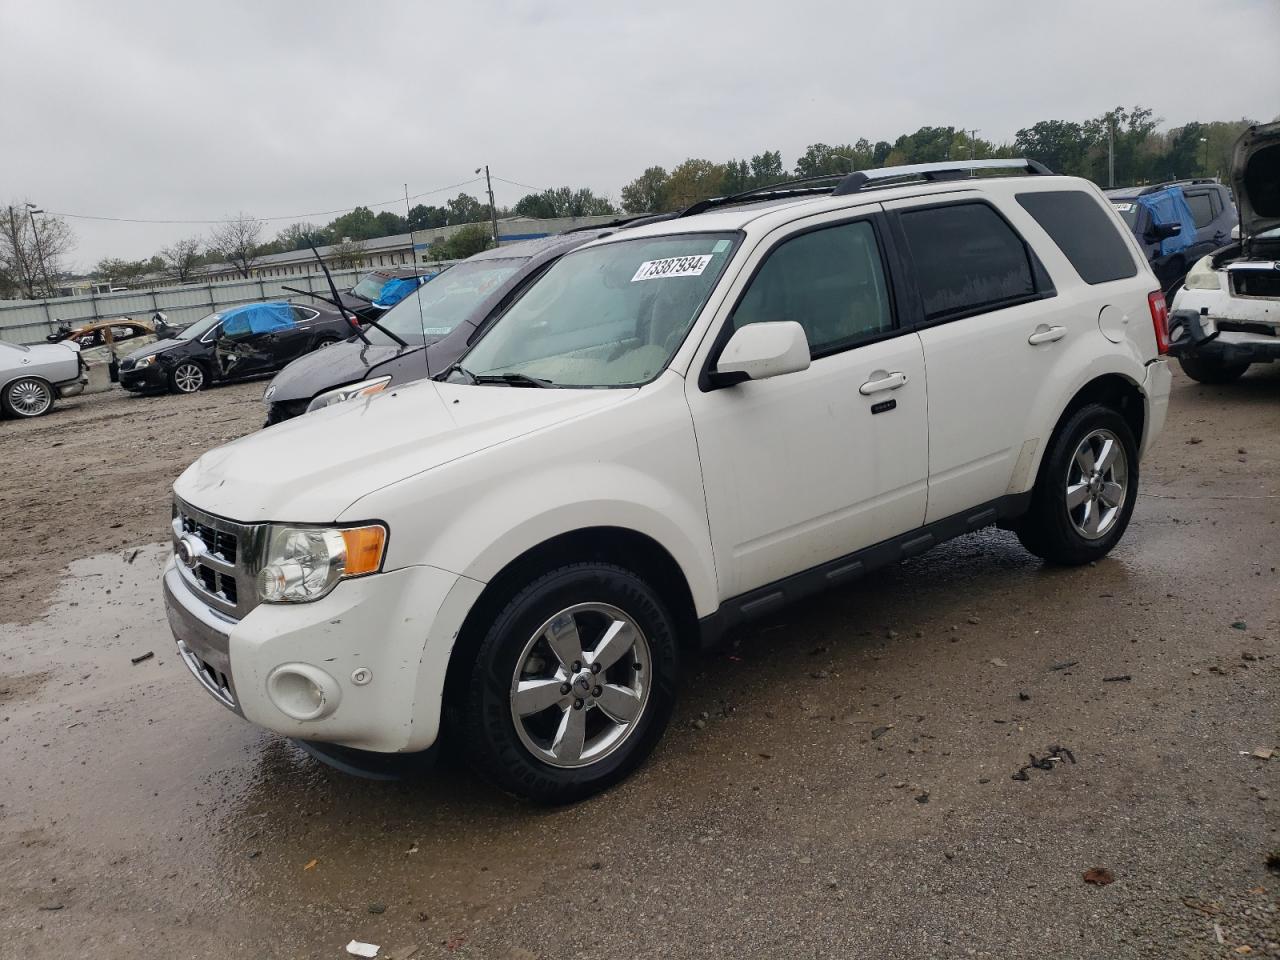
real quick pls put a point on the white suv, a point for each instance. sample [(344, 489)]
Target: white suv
[(676, 429)]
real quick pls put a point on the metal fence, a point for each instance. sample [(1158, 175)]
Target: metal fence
[(30, 321)]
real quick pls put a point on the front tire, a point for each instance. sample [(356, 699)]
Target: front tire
[(1210, 371), (27, 397), (1086, 490), (571, 686), (187, 377)]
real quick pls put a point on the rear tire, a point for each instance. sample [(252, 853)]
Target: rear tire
[(1211, 371), (27, 397), (1086, 490), (537, 719)]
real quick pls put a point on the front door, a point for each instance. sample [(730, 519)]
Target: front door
[(807, 467)]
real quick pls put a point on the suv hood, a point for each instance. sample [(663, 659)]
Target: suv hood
[(311, 469), (1255, 175)]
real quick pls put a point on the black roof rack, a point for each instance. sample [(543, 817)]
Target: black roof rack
[(842, 184)]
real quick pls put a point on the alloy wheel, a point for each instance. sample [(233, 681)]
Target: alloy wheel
[(188, 377), (581, 685), (1097, 484), (30, 397)]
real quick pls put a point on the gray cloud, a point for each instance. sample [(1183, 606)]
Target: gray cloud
[(164, 110)]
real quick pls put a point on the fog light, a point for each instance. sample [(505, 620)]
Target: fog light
[(303, 692)]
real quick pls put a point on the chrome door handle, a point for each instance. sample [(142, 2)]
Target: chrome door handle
[(880, 380), (1046, 334)]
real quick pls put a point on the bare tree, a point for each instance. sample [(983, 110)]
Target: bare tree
[(238, 239), (347, 254), (32, 249), (182, 258)]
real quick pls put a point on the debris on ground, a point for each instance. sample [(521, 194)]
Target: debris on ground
[(51, 907), (1099, 876), (131, 555), (1065, 664), (141, 657), (311, 864), (997, 662), (377, 908), (1273, 861), (403, 953), (1023, 695), (1055, 755), (1239, 625), (879, 732), (358, 949), (1263, 753), (1119, 678)]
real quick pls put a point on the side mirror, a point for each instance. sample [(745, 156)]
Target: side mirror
[(1163, 231), (762, 350)]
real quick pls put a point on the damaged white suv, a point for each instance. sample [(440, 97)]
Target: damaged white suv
[(676, 429), (1227, 314)]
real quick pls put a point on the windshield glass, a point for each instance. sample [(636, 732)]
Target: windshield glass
[(200, 327), (446, 301), (607, 316), (370, 286), (1128, 211)]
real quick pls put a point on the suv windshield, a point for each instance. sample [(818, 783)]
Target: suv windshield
[(370, 286), (439, 306), (1128, 210), (607, 316)]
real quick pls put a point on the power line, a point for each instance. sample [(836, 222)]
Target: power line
[(517, 183), (294, 216)]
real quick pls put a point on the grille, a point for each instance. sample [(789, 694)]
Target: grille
[(1256, 283), (227, 562), (212, 679)]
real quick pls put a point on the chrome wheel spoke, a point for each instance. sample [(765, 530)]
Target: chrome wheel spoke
[(1084, 458), (620, 704), (617, 640), (1112, 494), (534, 696), (1106, 455), (562, 637), (571, 735), (1091, 519), (1077, 494)]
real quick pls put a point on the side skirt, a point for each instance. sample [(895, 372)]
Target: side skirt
[(781, 593)]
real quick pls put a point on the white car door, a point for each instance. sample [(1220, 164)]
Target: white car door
[(993, 333), (807, 467)]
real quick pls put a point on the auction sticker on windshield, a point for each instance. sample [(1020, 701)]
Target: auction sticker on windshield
[(672, 267), (1123, 207)]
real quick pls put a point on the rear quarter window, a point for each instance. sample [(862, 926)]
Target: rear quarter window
[(1087, 237)]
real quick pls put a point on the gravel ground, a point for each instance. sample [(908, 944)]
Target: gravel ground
[(838, 784)]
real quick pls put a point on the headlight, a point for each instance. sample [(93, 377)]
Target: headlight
[(304, 563), (1202, 276), (365, 388), (144, 361)]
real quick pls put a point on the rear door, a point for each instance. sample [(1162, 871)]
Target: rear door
[(993, 335)]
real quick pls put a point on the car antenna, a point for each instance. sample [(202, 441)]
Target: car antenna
[(417, 290), (321, 297), (337, 300)]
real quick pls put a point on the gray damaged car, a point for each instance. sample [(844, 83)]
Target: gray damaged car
[(32, 378)]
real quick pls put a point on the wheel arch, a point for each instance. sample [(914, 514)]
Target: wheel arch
[(4, 389), (620, 546), (1112, 389)]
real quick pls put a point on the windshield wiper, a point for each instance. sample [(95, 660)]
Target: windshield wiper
[(510, 379)]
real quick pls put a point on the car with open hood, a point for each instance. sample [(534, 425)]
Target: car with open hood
[(245, 341), (424, 333), (1226, 315), (677, 428)]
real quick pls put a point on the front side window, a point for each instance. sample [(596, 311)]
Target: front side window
[(606, 316), (967, 260), (830, 281)]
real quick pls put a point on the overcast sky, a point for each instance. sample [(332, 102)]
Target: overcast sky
[(195, 111)]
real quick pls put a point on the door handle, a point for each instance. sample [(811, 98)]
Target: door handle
[(1046, 334), (880, 381)]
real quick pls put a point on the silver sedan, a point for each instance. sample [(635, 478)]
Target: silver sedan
[(31, 378)]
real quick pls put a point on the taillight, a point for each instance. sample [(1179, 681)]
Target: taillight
[(1159, 320)]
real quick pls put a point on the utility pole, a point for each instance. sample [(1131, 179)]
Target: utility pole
[(1111, 151), (973, 143), (493, 208), (1205, 141), (32, 210)]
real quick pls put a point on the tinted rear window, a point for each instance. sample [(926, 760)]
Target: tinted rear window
[(967, 259), (1084, 233), (1201, 209)]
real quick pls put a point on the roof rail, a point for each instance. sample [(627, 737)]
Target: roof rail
[(771, 191), (945, 170)]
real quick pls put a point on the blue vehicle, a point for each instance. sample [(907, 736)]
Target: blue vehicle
[(1176, 223)]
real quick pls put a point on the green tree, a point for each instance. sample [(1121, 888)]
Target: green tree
[(647, 193), (691, 181), (301, 236), (359, 224), (459, 245), (1060, 145), (115, 270), (563, 202), (465, 208), (390, 224), (820, 159), (423, 217)]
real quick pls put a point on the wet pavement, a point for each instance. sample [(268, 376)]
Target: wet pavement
[(840, 783)]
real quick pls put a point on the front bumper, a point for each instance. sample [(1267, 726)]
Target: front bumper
[(380, 644), (1225, 329), (150, 377)]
